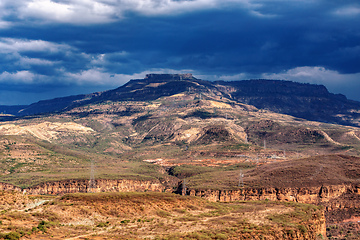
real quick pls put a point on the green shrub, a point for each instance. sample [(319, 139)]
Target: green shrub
[(163, 214), (221, 236), (126, 221), (302, 228), (43, 226), (10, 236), (103, 224)]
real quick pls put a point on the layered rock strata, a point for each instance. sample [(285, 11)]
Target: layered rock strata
[(82, 185), (310, 195)]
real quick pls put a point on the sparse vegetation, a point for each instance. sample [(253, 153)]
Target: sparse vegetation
[(166, 216), (120, 143), (208, 142)]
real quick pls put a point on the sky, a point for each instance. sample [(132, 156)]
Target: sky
[(55, 48)]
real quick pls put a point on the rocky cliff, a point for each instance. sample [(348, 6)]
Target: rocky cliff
[(154, 215), (310, 195), (315, 228), (82, 186), (9, 187)]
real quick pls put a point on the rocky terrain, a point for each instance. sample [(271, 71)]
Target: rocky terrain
[(222, 141), (154, 216), (311, 102)]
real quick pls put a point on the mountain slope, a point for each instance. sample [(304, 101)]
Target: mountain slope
[(308, 101), (311, 102)]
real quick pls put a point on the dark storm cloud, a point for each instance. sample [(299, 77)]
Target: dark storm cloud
[(86, 45)]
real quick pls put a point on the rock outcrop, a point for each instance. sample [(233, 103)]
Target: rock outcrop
[(9, 187), (83, 186), (340, 202), (313, 195), (310, 195)]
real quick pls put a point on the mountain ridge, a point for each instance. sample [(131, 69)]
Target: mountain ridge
[(303, 100)]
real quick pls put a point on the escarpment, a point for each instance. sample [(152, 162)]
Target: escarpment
[(83, 186), (331, 196), (310, 195), (9, 187)]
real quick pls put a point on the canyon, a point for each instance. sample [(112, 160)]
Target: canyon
[(337, 201), (258, 213), (332, 197)]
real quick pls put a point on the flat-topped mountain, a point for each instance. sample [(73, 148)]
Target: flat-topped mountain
[(308, 101)]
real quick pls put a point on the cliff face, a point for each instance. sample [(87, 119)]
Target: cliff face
[(310, 195), (341, 202), (312, 229), (9, 187), (82, 186)]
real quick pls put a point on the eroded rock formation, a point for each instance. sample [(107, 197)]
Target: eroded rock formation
[(310, 195), (9, 187), (82, 185)]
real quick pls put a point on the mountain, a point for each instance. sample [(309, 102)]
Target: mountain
[(12, 110), (307, 101), (224, 141)]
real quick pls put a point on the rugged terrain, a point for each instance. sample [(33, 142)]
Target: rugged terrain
[(175, 133), (311, 102), (154, 216)]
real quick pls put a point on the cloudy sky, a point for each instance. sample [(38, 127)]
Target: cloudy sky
[(53, 48)]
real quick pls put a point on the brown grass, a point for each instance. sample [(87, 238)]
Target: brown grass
[(155, 215), (307, 172)]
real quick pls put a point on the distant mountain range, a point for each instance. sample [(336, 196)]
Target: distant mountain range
[(308, 101)]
